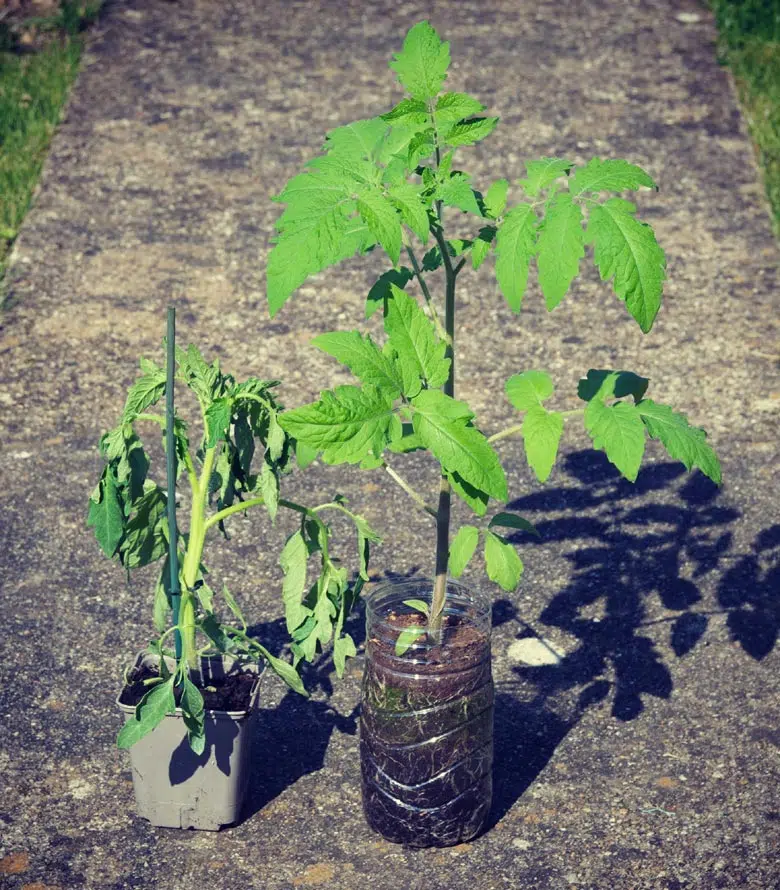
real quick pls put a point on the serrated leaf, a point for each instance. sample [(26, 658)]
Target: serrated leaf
[(454, 107), (462, 549), (152, 709), (422, 64), (504, 566), (413, 338), (626, 250), (512, 520), (343, 648), (559, 248), (515, 245), (145, 540), (618, 430), (495, 199), (608, 176), (682, 441), (407, 638), (346, 424), (380, 290), (406, 198), (357, 140), (293, 560), (469, 132), (442, 425), (146, 391), (382, 220), (542, 173), (541, 431), (218, 416), (408, 111), (363, 357), (457, 192), (420, 146), (106, 516), (529, 389), (611, 384)]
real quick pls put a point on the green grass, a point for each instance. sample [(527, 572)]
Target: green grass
[(750, 45), (33, 89)]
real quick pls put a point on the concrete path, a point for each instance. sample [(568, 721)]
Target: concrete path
[(649, 757)]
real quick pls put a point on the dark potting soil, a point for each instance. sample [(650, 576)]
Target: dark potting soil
[(229, 693), (426, 739)]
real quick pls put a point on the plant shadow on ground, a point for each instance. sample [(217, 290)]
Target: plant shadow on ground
[(629, 548)]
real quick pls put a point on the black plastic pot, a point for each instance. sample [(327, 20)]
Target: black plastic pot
[(176, 788), (426, 727)]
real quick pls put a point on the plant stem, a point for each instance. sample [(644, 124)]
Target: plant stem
[(415, 496), (426, 293)]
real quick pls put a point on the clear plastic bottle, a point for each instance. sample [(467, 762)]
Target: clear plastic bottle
[(426, 727)]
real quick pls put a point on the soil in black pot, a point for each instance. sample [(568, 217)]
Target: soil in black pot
[(427, 734), (228, 693)]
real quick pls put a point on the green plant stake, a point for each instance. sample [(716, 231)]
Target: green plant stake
[(170, 459)]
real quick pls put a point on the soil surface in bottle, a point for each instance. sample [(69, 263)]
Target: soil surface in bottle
[(426, 739)]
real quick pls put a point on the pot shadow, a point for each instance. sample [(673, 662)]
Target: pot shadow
[(659, 537), (221, 736)]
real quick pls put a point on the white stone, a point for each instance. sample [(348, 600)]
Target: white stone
[(534, 651)]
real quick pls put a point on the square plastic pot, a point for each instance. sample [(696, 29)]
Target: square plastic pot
[(176, 788)]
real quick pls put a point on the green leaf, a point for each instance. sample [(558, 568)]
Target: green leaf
[(541, 431), (284, 670), (343, 648), (683, 442), (233, 605), (408, 111), (529, 389), (469, 132), (542, 173), (626, 250), (608, 176), (151, 710), (346, 424), (618, 430), (293, 560), (161, 609), (382, 220), (454, 107), (363, 358), (276, 438), (193, 711), (146, 391), (407, 199), (457, 192), (442, 425), (145, 538), (407, 638), (495, 199), (418, 605), (304, 454), (380, 290), (474, 497), (512, 520), (269, 489), (202, 378), (420, 146), (462, 549), (365, 536), (611, 384), (413, 338), (106, 515), (515, 245), (218, 416), (422, 64), (357, 140), (559, 248), (504, 566)]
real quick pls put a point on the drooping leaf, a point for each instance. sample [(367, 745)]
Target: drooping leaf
[(504, 566), (193, 709), (529, 389), (422, 64), (471, 131), (625, 249), (151, 710), (106, 515), (512, 520), (515, 245), (293, 560), (343, 648), (541, 431), (365, 537), (682, 441), (608, 176), (442, 425), (413, 338), (406, 198), (346, 424), (284, 670), (218, 416), (457, 192), (462, 549), (269, 488), (380, 290), (363, 357), (611, 384), (618, 430), (542, 173), (382, 220), (559, 248), (145, 540)]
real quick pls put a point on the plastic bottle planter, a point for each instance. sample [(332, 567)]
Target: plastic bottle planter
[(426, 728), (176, 788)]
